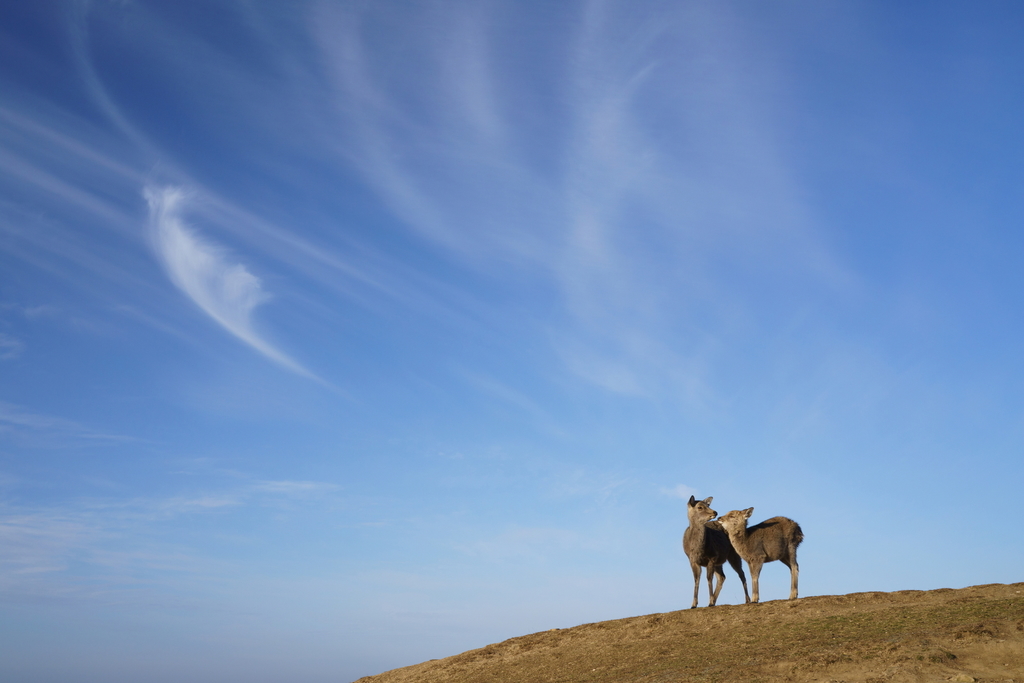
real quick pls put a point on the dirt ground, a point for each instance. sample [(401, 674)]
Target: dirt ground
[(969, 635)]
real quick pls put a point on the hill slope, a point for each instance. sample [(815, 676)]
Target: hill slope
[(971, 634)]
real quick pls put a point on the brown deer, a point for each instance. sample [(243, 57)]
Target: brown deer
[(773, 539), (707, 545)]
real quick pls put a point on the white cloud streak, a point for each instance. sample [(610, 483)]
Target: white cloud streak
[(637, 192), (223, 289), (10, 347), (680, 491), (53, 430), (662, 175), (119, 541)]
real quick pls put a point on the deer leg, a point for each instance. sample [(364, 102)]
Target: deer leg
[(696, 582), (794, 576), (716, 570), (755, 574), (737, 565)]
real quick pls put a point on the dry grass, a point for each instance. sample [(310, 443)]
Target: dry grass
[(974, 633)]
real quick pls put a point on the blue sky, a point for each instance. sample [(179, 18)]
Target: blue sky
[(339, 336)]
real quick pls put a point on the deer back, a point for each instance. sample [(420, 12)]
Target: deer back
[(774, 538)]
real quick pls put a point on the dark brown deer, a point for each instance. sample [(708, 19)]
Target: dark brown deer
[(773, 539), (707, 546)]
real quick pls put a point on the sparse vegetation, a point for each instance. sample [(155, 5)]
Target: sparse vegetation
[(973, 633)]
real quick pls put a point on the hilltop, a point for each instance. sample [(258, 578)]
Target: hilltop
[(970, 634)]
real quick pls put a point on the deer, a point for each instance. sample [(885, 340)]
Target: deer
[(773, 539), (707, 546)]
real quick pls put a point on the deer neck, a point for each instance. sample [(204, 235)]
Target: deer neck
[(698, 528), (738, 537)]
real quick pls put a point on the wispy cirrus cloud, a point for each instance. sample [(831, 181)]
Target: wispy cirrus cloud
[(49, 430), (51, 549), (10, 347), (222, 288), (680, 491), (661, 174), (301, 489)]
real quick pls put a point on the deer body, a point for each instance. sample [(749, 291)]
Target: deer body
[(707, 546), (773, 539)]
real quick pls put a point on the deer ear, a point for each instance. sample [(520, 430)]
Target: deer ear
[(748, 512), (707, 501), (693, 501)]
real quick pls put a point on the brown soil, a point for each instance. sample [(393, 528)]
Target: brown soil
[(971, 634)]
